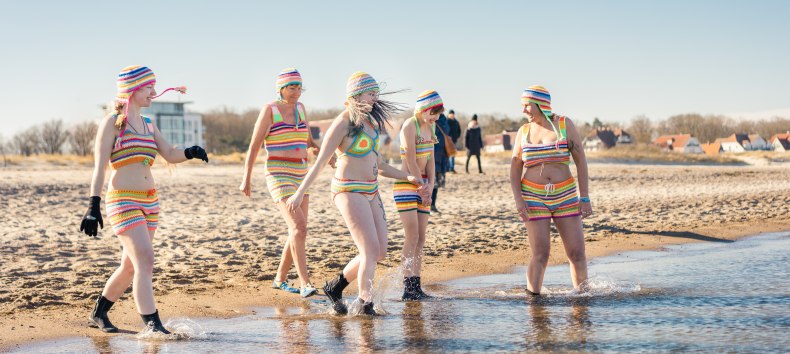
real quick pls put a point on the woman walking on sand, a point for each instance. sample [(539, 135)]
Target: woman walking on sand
[(355, 134), (417, 136), (283, 130), (130, 143), (546, 190)]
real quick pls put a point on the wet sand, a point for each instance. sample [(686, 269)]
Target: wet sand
[(217, 251)]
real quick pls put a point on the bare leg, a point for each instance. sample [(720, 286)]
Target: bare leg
[(122, 277), (540, 245), (356, 211), (423, 224), (572, 235), (137, 243), (411, 232), (294, 249)]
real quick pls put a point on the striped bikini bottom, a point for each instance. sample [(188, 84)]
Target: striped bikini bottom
[(128, 209), (553, 200), (367, 188), (284, 175), (407, 199)]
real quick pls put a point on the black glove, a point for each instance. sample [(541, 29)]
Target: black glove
[(92, 218), (196, 152)]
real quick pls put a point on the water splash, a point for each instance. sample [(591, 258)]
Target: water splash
[(180, 329)]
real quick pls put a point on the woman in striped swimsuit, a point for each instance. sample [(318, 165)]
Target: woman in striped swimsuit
[(417, 137), (283, 130), (130, 143), (355, 134), (547, 190)]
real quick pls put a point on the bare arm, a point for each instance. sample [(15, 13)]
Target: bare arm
[(386, 170), (579, 158), (171, 154), (102, 149), (259, 133), (516, 170)]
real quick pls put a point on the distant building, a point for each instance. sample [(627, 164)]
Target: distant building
[(605, 138), (713, 148), (780, 142), (682, 143), (499, 142), (744, 142), (176, 125)]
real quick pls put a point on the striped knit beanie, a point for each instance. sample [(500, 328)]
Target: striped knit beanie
[(427, 100), (288, 76), (540, 96), (360, 82), (131, 79)]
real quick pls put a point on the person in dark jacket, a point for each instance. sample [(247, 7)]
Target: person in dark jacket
[(440, 159), (455, 134), (474, 143)]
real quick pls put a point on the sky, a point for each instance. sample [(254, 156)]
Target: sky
[(608, 59)]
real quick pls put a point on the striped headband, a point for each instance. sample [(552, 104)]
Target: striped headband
[(540, 96), (427, 100), (289, 76), (360, 82)]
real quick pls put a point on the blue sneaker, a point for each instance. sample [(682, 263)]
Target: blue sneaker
[(284, 286), (308, 290)]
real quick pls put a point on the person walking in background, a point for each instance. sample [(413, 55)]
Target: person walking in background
[(455, 134), (441, 159), (474, 143)]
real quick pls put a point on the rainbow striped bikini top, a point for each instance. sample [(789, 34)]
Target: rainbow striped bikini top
[(283, 136), (132, 147), (363, 144), (422, 147), (536, 154)]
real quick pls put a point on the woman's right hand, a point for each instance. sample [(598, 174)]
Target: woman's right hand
[(294, 201), (92, 221), (246, 187), (522, 211)]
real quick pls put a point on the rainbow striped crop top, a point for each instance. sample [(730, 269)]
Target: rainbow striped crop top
[(132, 147), (423, 148), (364, 144), (536, 154), (283, 136)]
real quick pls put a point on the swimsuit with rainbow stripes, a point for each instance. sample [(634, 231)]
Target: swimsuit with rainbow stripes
[(404, 192), (549, 200), (537, 154), (128, 209), (132, 147), (285, 174), (423, 148), (362, 145)]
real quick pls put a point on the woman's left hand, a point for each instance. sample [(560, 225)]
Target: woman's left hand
[(586, 209), (293, 202)]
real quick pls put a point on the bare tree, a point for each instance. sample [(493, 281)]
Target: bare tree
[(81, 138), (27, 142), (53, 136), (641, 129)]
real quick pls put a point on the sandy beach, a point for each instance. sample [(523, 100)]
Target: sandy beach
[(217, 250)]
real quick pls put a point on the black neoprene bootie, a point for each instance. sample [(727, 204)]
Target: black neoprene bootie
[(334, 292), (367, 309), (99, 315), (152, 321), (418, 289), (409, 290)]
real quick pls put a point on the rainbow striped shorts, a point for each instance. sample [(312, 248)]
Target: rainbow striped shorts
[(367, 188), (407, 199), (128, 209), (553, 200), (284, 175)]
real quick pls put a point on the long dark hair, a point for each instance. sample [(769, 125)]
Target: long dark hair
[(380, 114)]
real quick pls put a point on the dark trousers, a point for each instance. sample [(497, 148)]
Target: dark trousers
[(479, 165)]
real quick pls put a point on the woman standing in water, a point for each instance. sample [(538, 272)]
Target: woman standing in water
[(355, 134), (417, 137), (130, 143), (546, 190), (283, 130)]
